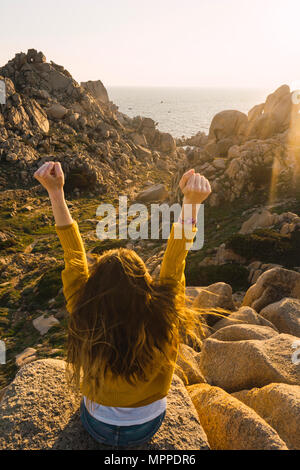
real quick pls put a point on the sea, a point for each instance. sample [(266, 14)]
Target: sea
[(184, 111)]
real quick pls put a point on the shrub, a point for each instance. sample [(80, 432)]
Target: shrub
[(268, 246), (234, 274)]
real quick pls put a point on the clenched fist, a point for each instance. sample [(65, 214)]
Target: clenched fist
[(195, 188), (51, 176)]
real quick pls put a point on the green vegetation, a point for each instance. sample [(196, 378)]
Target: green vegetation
[(234, 274), (49, 285), (108, 245)]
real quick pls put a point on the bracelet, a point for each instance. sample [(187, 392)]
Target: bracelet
[(190, 221)]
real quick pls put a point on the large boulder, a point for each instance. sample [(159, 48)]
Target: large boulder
[(244, 315), (236, 365), (264, 127), (97, 90), (56, 111), (273, 116), (262, 219), (216, 297), (167, 142), (275, 98), (285, 315), (256, 111), (271, 286), (226, 124), (187, 366), (279, 405), (37, 115), (154, 193), (39, 411), (241, 332), (231, 425)]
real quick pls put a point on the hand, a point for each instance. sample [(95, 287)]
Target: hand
[(195, 188), (51, 176)]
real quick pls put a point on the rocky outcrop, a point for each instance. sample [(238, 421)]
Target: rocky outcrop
[(244, 155), (39, 411), (249, 363), (49, 116), (279, 405), (231, 425)]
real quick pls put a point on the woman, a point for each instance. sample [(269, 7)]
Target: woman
[(124, 326)]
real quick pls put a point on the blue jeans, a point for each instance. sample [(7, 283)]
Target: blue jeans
[(119, 436)]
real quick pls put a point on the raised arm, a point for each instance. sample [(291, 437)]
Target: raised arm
[(75, 274), (196, 189)]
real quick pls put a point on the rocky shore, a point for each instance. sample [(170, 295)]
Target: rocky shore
[(241, 389)]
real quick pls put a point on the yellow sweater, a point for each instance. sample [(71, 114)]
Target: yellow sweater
[(115, 391)]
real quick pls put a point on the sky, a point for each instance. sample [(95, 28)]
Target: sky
[(191, 43)]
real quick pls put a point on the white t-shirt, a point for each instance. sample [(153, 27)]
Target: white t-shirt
[(120, 416)]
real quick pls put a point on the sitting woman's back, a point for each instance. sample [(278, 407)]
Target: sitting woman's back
[(124, 326)]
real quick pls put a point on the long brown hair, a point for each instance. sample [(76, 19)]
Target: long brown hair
[(123, 316)]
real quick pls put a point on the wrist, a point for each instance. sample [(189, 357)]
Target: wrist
[(190, 202), (56, 194)]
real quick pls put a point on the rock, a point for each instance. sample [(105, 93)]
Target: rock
[(226, 124), (231, 425), (157, 192), (272, 286), (285, 315), (187, 367), (37, 116), (28, 355), (43, 323), (2, 393), (223, 146), (39, 411), (139, 139), (191, 292), (249, 363), (56, 111), (264, 127), (58, 81), (219, 163), (263, 219), (273, 116), (244, 315), (256, 111), (167, 143), (279, 405), (226, 255), (97, 90), (275, 98), (216, 296), (35, 56), (243, 332), (143, 153)]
